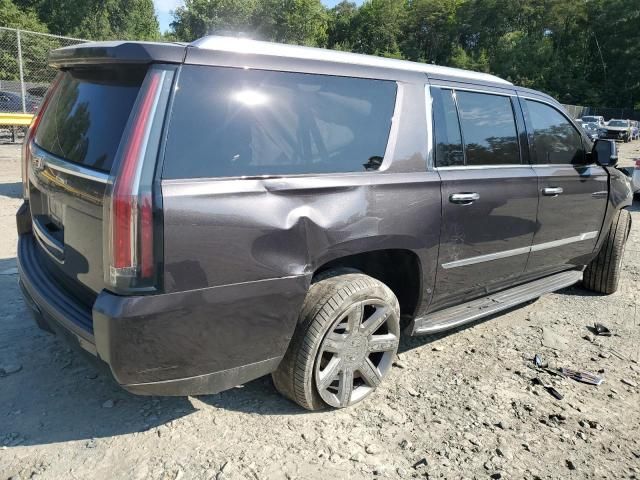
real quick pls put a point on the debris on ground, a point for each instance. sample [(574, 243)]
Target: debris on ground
[(582, 377), (600, 330)]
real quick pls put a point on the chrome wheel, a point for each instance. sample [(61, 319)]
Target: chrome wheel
[(356, 353)]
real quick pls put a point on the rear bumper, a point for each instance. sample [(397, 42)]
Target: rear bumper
[(186, 343)]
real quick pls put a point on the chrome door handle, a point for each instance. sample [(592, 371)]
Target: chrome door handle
[(552, 191), (464, 198)]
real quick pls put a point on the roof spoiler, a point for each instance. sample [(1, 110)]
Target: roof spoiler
[(122, 52)]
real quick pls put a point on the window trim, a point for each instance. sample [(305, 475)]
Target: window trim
[(532, 149), (453, 89)]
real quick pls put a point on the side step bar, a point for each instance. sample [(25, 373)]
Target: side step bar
[(458, 315)]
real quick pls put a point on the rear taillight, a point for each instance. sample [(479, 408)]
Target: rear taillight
[(637, 162), (131, 215), (31, 133)]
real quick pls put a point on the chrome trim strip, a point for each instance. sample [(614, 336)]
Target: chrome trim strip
[(564, 241), (47, 244), (563, 165), (484, 167), (55, 163), (476, 90), (519, 251), (485, 258)]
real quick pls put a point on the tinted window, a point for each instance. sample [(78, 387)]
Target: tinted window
[(488, 129), (447, 129), (87, 115), (554, 138), (234, 122)]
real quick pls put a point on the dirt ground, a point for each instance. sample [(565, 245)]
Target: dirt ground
[(461, 405)]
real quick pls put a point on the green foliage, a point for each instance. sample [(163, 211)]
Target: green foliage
[(580, 51), (201, 17), (14, 17), (97, 19)]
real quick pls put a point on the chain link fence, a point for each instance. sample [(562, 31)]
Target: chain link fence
[(24, 72), (578, 111)]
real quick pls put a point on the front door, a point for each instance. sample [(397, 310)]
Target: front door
[(489, 193), (572, 194)]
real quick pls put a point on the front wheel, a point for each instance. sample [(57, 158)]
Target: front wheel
[(344, 345), (602, 275)]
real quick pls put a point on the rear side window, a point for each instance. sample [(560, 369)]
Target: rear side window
[(447, 129), (87, 115), (488, 129), (234, 122), (555, 139)]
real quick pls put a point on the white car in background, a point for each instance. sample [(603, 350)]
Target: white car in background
[(597, 119)]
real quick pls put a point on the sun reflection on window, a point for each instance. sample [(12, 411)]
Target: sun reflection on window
[(251, 98)]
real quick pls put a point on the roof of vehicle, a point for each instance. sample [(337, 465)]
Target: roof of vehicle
[(148, 52), (256, 47)]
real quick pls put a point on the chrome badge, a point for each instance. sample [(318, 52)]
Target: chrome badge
[(37, 163)]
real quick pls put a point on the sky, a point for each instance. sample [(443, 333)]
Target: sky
[(164, 7)]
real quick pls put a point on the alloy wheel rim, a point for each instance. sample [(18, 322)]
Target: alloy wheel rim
[(356, 353)]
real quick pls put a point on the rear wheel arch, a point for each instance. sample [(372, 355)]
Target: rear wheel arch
[(399, 269)]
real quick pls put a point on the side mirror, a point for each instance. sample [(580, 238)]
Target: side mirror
[(605, 153)]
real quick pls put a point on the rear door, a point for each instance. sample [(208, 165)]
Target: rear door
[(572, 192), (70, 160), (489, 192)]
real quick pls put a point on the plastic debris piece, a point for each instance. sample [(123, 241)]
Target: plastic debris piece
[(601, 330), (549, 388), (583, 377)]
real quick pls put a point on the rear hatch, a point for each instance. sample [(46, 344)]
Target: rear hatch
[(72, 155), (89, 160)]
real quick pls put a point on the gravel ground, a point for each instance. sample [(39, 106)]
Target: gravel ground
[(461, 405)]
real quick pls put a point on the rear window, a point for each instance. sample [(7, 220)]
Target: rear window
[(234, 122), (87, 115)]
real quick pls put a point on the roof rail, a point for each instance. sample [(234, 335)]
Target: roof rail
[(245, 46)]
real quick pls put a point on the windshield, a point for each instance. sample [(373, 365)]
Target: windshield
[(590, 126), (590, 119), (618, 123)]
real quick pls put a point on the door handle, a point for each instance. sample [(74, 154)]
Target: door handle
[(552, 191), (464, 198)]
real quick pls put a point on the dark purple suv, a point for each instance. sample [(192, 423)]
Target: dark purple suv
[(197, 216)]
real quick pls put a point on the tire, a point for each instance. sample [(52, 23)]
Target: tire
[(602, 275), (343, 319)]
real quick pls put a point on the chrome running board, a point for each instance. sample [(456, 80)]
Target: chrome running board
[(458, 315)]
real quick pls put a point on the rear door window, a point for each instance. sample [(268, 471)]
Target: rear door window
[(488, 129), (555, 139), (87, 114), (229, 122)]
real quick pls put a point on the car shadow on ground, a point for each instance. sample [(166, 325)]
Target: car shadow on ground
[(11, 190), (61, 395), (50, 392)]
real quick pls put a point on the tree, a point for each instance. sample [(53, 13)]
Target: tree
[(289, 21), (340, 25), (198, 18), (13, 17), (378, 27), (431, 30), (98, 19), (302, 22)]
